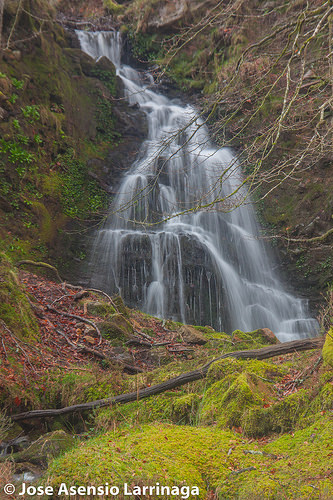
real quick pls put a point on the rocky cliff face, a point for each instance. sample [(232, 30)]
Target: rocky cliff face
[(66, 137)]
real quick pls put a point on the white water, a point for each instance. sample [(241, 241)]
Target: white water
[(204, 267)]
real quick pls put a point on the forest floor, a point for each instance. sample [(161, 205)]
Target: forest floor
[(260, 427)]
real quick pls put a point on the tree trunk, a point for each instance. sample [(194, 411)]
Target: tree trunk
[(185, 378)]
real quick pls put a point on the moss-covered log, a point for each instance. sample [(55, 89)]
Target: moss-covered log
[(185, 378)]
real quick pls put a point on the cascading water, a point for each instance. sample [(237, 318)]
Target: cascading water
[(203, 267)]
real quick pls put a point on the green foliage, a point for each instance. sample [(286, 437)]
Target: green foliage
[(15, 309), (13, 98), (105, 120), (107, 77), (16, 124), (16, 155), (79, 386), (80, 195), (38, 139), (145, 47), (31, 113), (18, 84)]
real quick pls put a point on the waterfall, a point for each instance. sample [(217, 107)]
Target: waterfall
[(205, 266)]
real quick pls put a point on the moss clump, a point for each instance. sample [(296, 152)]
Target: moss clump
[(15, 310), (172, 455), (113, 7), (301, 469), (251, 340), (280, 417), (328, 348), (157, 408), (120, 305), (117, 327), (103, 309), (226, 401)]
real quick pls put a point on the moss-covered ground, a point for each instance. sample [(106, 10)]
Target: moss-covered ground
[(249, 429)]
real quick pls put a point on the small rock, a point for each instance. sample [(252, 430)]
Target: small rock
[(268, 335), (191, 335)]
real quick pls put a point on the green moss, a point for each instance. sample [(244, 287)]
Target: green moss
[(168, 454), (112, 7), (294, 466), (328, 348), (103, 309), (119, 303), (185, 408), (280, 417), (81, 195), (157, 408), (15, 309), (117, 327), (47, 227), (226, 401)]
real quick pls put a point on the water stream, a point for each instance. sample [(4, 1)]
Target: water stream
[(206, 266)]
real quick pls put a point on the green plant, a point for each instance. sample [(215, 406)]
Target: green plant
[(31, 113), (22, 139), (80, 195), (18, 84), (37, 139), (13, 98), (16, 155), (16, 124)]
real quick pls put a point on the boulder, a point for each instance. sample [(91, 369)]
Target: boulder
[(117, 327), (99, 308)]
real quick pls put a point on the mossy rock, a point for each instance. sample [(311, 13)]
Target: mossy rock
[(279, 417), (45, 448), (15, 309), (113, 7), (117, 327), (257, 338), (103, 309), (191, 335), (227, 400), (328, 348)]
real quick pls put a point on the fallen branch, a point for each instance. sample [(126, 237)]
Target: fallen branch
[(98, 354), (40, 264), (81, 347), (185, 378), (79, 318)]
